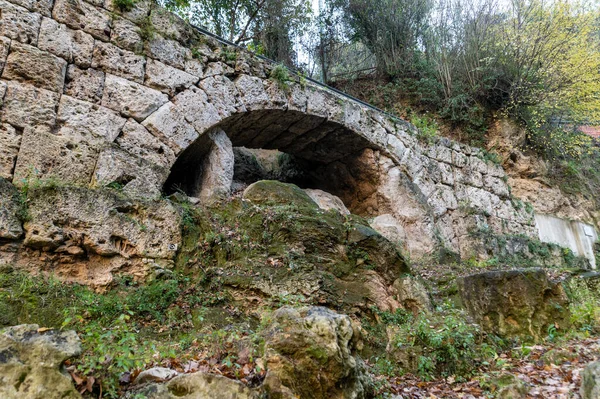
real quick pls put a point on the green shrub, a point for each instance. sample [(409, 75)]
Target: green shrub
[(124, 5), (281, 75)]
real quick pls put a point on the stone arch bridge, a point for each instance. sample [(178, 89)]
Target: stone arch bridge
[(93, 96)]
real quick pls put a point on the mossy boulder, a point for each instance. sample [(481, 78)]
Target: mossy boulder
[(523, 302), (590, 381), (272, 192), (31, 360), (311, 353)]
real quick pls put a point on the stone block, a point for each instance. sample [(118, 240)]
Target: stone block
[(442, 199), (26, 105), (78, 14), (75, 46), (43, 7), (223, 94), (217, 168), (44, 156), (84, 84), (137, 177), (137, 140), (496, 186), (10, 207), (131, 99), (193, 103), (217, 68), (125, 34), (169, 123), (4, 48), (124, 63), (92, 122), (30, 65), (168, 51), (167, 79), (138, 13), (10, 142), (170, 25), (19, 23)]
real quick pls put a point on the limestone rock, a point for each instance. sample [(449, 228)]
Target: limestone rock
[(167, 79), (390, 228), (168, 51), (125, 34), (10, 142), (327, 201), (217, 170), (590, 381), (223, 94), (274, 192), (78, 14), (310, 353), (135, 176), (194, 105), (43, 7), (101, 222), (515, 303), (137, 140), (18, 23), (84, 84), (509, 386), (131, 99), (4, 48), (31, 65), (26, 105), (117, 61), (169, 123), (155, 374), (72, 45), (198, 386), (48, 157), (30, 367), (412, 295), (10, 208)]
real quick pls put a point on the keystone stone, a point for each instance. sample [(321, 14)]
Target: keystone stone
[(131, 99)]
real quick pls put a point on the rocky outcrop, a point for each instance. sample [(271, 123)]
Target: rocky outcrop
[(30, 363), (327, 201), (590, 381), (522, 303), (310, 353), (272, 192)]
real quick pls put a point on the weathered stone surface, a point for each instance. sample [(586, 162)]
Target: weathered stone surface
[(131, 99), (412, 295), (509, 386), (26, 105), (81, 118), (84, 84), (389, 227), (10, 142), (46, 156), (10, 208), (135, 176), (167, 79), (4, 47), (168, 51), (198, 386), (590, 381), (31, 65), (310, 352), (75, 46), (100, 222), (124, 63), (78, 14), (136, 140), (125, 34), (155, 374), (252, 92), (170, 25), (43, 7), (170, 124), (138, 13), (274, 192), (223, 94), (18, 23), (516, 302), (32, 364), (327, 201), (193, 103), (217, 169)]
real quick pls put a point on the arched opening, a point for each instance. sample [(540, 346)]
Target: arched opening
[(312, 153)]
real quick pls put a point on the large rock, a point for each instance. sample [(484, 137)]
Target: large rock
[(521, 302), (590, 381), (217, 173), (327, 201), (131, 99), (197, 386), (10, 208), (310, 353), (274, 192), (31, 360)]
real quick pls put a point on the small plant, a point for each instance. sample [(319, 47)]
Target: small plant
[(124, 5), (281, 75), (146, 28), (230, 54), (427, 128)]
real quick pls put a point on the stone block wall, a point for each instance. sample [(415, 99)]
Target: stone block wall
[(92, 96)]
